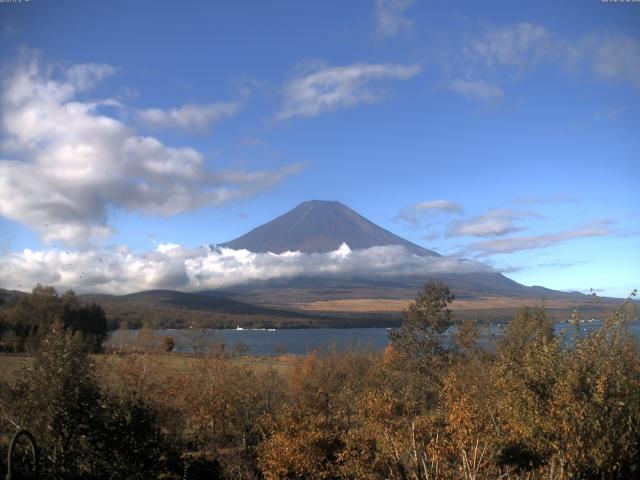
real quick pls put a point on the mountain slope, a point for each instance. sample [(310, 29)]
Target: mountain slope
[(320, 226)]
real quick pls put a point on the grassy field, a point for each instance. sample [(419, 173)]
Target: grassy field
[(398, 305), (12, 365), (174, 365)]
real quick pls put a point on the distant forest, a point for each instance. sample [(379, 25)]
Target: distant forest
[(25, 320)]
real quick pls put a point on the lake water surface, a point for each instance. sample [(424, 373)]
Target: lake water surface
[(301, 341)]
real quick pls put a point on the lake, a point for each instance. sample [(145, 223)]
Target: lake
[(301, 341)]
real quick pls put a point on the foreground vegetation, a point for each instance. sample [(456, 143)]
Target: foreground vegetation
[(541, 406)]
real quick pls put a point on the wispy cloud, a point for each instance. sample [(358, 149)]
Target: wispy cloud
[(441, 205), (391, 16), (609, 114), (188, 117), (326, 89), (70, 164), (260, 179), (412, 213), (510, 245), (477, 66), (482, 65), (535, 199), (556, 264), (495, 222), (85, 76), (191, 269), (9, 28), (520, 46), (476, 89), (615, 58)]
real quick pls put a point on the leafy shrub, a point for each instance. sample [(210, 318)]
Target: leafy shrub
[(81, 432)]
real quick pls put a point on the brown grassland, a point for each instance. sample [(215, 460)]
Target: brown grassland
[(174, 365), (398, 305)]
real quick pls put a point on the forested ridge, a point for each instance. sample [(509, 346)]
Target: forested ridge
[(27, 319)]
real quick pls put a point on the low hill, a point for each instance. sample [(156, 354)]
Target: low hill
[(172, 309)]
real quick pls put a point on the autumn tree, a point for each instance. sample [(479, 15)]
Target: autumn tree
[(593, 430), (466, 336), (420, 339), (306, 438), (168, 344), (425, 320), (198, 338)]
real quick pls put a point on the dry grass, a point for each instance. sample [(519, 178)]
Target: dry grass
[(392, 305), (12, 365), (174, 365), (356, 305)]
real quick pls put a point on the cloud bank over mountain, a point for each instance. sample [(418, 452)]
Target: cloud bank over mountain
[(172, 266)]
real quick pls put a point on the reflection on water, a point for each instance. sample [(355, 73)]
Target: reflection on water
[(301, 341)]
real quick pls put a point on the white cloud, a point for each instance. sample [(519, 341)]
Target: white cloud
[(509, 245), (167, 247), (188, 117), (391, 16), (329, 88), (477, 89), (171, 266), (494, 222), (71, 164)]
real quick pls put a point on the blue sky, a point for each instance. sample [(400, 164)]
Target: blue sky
[(504, 132)]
